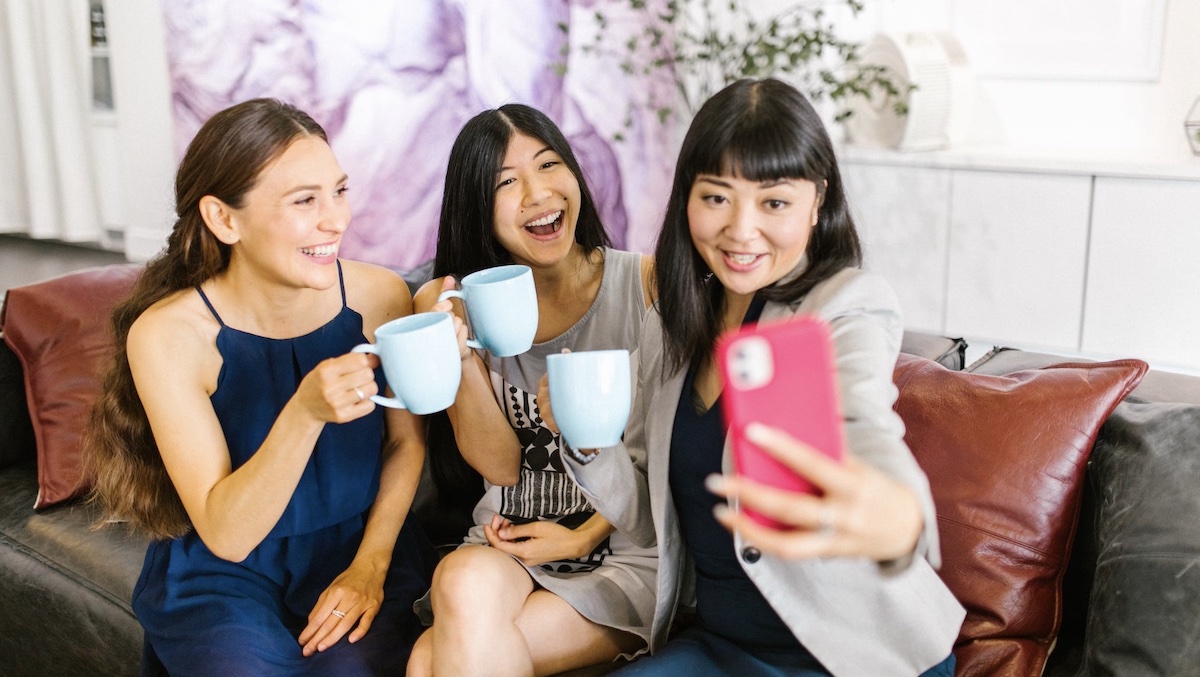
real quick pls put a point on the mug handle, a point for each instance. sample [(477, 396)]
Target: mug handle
[(392, 402), (456, 294)]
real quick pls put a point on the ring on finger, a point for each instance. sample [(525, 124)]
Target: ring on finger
[(361, 395), (825, 516), (336, 612)]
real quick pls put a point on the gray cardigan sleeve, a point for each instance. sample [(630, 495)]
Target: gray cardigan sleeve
[(865, 323)]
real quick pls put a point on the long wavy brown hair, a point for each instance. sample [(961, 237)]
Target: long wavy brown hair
[(129, 481)]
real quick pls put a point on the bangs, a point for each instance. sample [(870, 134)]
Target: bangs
[(757, 149), (759, 131)]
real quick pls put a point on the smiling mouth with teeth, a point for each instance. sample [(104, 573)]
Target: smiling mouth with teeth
[(546, 225), (324, 250), (743, 259)]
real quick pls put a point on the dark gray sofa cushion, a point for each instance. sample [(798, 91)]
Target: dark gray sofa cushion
[(16, 430), (951, 353), (1144, 614), (64, 588)]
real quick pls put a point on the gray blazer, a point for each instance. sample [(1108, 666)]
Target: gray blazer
[(856, 616)]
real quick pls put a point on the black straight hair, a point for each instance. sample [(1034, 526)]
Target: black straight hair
[(467, 239), (758, 130), (467, 242)]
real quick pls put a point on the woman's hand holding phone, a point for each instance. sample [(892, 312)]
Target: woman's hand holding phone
[(798, 492), (781, 374), (861, 513)]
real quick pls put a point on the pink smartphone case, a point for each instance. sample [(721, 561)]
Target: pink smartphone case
[(795, 391)]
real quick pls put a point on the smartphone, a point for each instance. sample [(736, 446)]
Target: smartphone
[(783, 375)]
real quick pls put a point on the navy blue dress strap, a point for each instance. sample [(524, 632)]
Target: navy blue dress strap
[(215, 314), (341, 282), (204, 297)]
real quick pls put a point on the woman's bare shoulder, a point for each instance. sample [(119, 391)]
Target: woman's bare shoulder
[(179, 315), (377, 293), (427, 295), (176, 335)]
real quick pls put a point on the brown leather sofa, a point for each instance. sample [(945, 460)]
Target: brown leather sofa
[(1067, 565)]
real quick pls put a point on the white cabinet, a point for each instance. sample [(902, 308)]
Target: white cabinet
[(998, 256), (1143, 289), (902, 215), (1087, 256), (1018, 254)]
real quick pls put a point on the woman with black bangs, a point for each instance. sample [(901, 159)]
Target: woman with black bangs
[(757, 227)]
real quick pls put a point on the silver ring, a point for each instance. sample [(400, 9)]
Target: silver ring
[(361, 396), (825, 517), (335, 612)]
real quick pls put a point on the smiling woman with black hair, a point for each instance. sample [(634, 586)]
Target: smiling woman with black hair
[(757, 228), (543, 583)]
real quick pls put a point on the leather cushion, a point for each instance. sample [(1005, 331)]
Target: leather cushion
[(16, 432), (59, 329), (64, 586), (1157, 386), (1145, 605), (1005, 456)]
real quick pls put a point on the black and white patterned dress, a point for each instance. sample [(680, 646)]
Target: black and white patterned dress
[(614, 585)]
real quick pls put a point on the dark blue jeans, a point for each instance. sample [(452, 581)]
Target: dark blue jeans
[(699, 653)]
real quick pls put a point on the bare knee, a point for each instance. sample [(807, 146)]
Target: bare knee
[(477, 594), (420, 661), (470, 580)]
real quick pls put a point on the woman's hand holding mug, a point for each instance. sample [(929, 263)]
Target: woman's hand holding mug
[(501, 304), (330, 392), (445, 305)]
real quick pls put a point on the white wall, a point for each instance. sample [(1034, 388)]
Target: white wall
[(1056, 108), (1034, 112), (14, 218), (142, 90), (1052, 110)]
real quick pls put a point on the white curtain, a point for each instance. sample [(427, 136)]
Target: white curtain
[(48, 169)]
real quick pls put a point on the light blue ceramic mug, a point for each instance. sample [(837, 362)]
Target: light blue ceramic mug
[(501, 308), (590, 395), (420, 361)]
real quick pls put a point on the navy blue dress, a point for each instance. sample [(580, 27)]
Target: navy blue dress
[(207, 616)]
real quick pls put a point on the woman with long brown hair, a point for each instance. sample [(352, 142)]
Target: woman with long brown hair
[(236, 426)]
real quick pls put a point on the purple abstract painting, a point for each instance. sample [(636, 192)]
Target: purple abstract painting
[(393, 82)]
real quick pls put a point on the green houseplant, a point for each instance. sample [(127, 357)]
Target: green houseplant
[(702, 45)]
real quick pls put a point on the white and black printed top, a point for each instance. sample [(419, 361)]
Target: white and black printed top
[(622, 595)]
